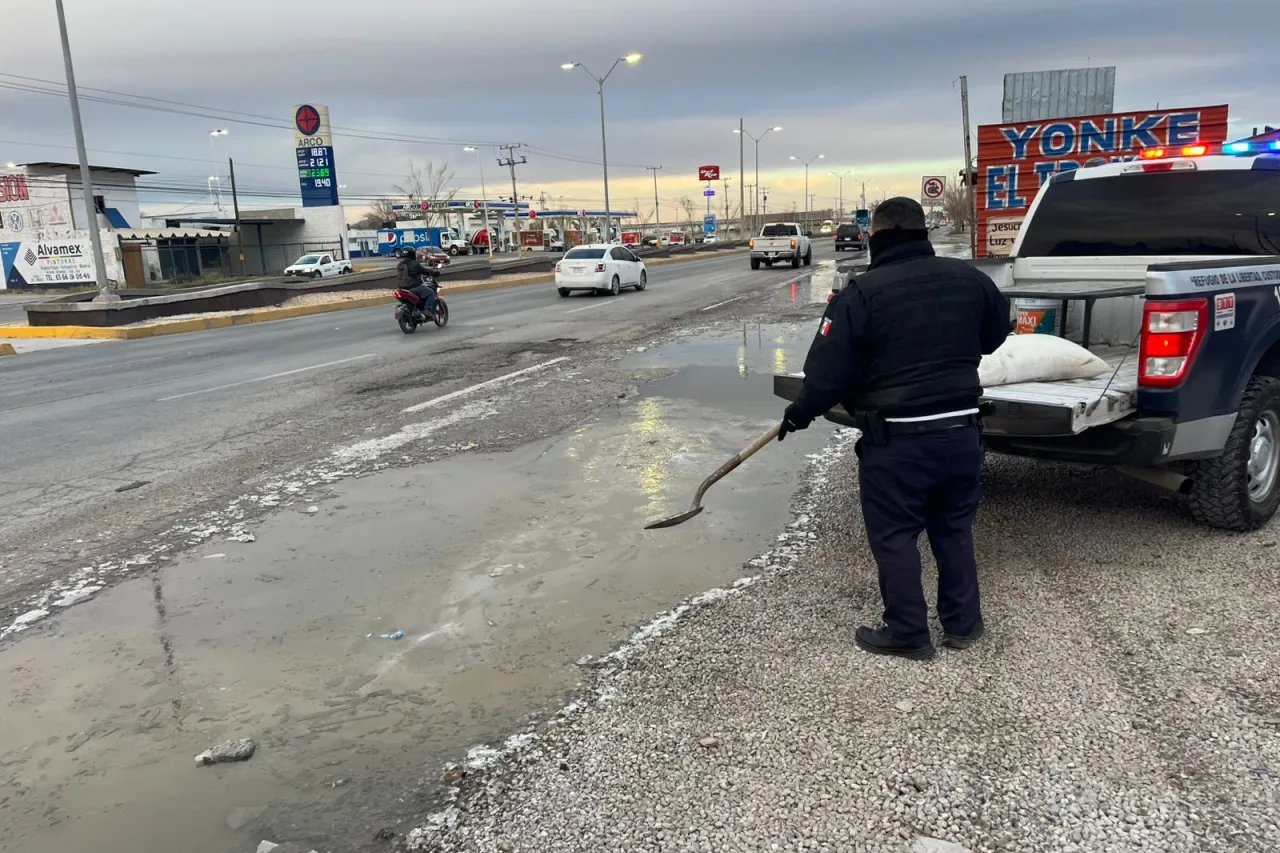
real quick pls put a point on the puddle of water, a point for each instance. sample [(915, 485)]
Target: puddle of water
[(501, 569)]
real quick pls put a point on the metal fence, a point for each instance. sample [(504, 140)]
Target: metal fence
[(187, 260)]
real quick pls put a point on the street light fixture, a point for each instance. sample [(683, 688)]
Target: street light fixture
[(630, 59), (807, 223), (842, 176), (213, 149), (484, 200), (756, 140)]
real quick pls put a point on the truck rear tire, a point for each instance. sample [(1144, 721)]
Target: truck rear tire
[(1240, 490), (755, 263)]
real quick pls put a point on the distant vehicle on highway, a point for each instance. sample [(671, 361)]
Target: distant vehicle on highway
[(781, 241), (850, 236), (432, 256), (600, 268), (675, 238), (317, 265), (711, 238), (828, 227)]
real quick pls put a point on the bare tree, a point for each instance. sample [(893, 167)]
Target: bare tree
[(431, 183), (957, 204), (379, 212), (689, 208)]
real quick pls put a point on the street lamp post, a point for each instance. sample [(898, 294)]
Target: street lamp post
[(756, 140), (484, 201), (806, 184), (841, 177), (213, 149), (630, 59), (105, 291)]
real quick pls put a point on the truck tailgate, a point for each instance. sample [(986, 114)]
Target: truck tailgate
[(1036, 408), (1066, 407)]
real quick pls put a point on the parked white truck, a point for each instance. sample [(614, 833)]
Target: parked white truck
[(781, 241), (1180, 251)]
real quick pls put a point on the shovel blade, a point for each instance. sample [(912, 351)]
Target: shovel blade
[(673, 520)]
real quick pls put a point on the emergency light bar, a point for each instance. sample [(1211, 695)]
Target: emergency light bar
[(1199, 150)]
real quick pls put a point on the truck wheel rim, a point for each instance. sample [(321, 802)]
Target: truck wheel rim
[(1264, 456)]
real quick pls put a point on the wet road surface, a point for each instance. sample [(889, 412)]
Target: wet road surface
[(509, 557)]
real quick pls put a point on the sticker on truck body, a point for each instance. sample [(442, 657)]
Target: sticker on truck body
[(1224, 311)]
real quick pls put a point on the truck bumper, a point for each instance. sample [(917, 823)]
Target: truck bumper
[(1136, 442), (773, 256)]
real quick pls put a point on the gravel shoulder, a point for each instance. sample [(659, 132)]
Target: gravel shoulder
[(1126, 697)]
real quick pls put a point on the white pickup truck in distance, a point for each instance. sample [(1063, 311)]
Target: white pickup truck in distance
[(781, 241), (317, 265), (1180, 250)]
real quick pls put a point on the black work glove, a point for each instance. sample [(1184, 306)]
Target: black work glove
[(793, 420)]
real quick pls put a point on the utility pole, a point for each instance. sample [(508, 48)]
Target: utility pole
[(864, 194), (511, 162), (968, 159), (742, 182), (235, 206), (105, 292), (724, 183), (657, 220), (764, 209)]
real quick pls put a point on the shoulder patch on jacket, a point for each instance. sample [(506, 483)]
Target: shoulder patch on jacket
[(826, 326)]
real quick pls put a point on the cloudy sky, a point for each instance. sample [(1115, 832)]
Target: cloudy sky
[(872, 86)]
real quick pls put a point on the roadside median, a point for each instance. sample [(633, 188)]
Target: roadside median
[(301, 306)]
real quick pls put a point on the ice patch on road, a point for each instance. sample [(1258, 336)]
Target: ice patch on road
[(229, 523), (792, 544)]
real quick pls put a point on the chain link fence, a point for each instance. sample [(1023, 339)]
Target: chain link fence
[(191, 260)]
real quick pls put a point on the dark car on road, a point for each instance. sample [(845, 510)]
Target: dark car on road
[(851, 237)]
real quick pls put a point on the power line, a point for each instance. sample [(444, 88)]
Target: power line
[(164, 105)]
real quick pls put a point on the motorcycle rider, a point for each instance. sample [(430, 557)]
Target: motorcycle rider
[(412, 272)]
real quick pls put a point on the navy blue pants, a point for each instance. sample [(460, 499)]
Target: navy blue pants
[(929, 483)]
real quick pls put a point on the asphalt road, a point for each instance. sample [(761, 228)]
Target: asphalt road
[(198, 413)]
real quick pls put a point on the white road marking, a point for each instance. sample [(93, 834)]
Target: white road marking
[(589, 307), (265, 378), (726, 302), (417, 407)]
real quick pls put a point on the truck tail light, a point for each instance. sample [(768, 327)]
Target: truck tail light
[(599, 267), (753, 243), (1171, 334), (793, 244), (557, 267)]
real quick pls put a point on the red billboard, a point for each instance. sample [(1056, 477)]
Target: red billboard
[(708, 173), (1015, 160)]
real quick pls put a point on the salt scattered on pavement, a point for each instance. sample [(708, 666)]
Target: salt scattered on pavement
[(1088, 719)]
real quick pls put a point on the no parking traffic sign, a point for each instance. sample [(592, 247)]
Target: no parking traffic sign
[(932, 189)]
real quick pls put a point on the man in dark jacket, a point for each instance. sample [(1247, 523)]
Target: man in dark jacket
[(900, 348), (412, 273)]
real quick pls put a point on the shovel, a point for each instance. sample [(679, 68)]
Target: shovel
[(696, 507)]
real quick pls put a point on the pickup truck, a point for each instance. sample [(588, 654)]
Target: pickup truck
[(317, 265), (781, 241), (1180, 250)]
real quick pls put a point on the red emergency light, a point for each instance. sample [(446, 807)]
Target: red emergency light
[(1197, 150)]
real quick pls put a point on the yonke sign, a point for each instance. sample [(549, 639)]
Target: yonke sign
[(1016, 159)]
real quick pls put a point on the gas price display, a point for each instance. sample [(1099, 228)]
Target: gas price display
[(316, 177)]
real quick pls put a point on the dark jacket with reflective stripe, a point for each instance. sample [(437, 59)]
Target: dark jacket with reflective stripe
[(905, 338)]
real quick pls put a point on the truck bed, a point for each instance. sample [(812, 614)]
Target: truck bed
[(1066, 407), (1038, 408)]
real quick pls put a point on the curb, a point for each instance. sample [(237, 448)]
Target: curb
[(133, 333)]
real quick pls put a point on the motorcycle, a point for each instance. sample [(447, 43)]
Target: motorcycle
[(411, 313)]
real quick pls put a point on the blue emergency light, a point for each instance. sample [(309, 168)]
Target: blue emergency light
[(1244, 147)]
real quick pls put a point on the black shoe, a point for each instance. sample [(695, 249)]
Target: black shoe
[(878, 641), (953, 641)]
